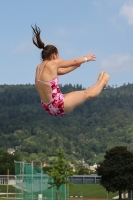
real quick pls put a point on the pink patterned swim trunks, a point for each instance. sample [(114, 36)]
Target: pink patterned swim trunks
[(56, 105)]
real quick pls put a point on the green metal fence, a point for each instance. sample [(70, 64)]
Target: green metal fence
[(32, 183)]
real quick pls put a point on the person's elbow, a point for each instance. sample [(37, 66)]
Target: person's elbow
[(60, 72)]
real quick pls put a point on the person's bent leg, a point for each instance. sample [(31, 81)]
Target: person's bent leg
[(74, 99)]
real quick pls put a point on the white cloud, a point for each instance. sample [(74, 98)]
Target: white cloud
[(117, 62), (127, 12)]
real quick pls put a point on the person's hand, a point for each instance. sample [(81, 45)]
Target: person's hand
[(91, 57)]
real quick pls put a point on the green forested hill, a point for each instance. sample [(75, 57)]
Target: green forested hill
[(87, 132)]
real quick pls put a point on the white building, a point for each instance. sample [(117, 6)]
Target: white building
[(7, 180), (10, 150), (93, 167)]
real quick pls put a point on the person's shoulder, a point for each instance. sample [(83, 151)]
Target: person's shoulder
[(52, 63), (38, 66)]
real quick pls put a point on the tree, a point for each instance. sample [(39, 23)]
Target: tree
[(7, 162), (82, 170), (59, 172), (116, 170)]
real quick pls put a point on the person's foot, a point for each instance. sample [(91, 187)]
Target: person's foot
[(100, 76), (106, 78)]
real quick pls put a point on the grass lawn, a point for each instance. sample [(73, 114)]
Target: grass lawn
[(85, 190), (3, 188), (89, 191)]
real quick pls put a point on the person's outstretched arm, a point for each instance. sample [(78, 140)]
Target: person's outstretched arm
[(65, 70), (62, 71), (60, 63)]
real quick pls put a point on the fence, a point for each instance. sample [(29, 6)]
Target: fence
[(32, 183)]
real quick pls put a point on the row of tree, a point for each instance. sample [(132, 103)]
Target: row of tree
[(116, 170), (87, 132)]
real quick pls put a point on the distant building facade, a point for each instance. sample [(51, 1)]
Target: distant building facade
[(7, 180), (76, 179), (85, 179)]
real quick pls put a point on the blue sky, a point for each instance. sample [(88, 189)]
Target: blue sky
[(76, 28)]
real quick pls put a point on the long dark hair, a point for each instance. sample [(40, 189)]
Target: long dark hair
[(48, 50)]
